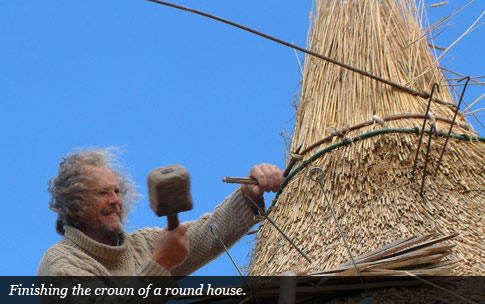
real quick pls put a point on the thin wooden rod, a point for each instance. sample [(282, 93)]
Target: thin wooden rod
[(294, 159), (291, 45)]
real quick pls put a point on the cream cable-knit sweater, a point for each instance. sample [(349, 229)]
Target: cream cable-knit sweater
[(78, 255)]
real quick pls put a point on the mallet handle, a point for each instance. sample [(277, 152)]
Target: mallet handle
[(173, 221)]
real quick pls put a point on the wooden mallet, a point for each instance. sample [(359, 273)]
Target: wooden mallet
[(169, 192)]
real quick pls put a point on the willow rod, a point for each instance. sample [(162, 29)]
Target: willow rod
[(297, 155), (370, 122), (291, 45)]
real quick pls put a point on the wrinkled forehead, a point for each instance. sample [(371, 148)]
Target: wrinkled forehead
[(100, 177)]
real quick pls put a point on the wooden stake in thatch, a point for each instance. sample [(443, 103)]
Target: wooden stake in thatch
[(369, 181)]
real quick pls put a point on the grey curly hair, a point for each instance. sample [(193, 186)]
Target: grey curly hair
[(70, 188)]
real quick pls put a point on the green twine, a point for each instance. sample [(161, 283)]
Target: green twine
[(348, 141)]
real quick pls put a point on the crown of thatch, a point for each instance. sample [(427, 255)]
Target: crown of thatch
[(370, 182)]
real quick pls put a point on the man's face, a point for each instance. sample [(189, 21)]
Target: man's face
[(102, 216)]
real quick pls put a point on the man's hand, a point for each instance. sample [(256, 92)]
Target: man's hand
[(172, 247), (269, 178)]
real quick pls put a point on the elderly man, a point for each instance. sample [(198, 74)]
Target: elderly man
[(92, 198)]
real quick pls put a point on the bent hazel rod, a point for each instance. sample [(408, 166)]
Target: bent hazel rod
[(263, 213), (296, 47)]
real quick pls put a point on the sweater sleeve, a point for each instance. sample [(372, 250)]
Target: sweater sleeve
[(233, 219)]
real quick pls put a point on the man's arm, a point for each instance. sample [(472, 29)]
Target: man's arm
[(183, 251), (233, 218)]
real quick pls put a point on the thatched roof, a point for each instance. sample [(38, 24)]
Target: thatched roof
[(370, 182)]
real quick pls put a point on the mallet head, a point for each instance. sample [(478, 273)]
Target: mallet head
[(169, 190)]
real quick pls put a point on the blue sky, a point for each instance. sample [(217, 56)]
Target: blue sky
[(168, 86)]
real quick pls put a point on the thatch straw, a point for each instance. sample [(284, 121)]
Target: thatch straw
[(376, 199)]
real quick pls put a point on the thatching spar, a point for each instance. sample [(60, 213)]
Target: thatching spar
[(370, 182)]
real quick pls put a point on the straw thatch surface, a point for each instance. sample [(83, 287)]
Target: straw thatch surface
[(369, 182)]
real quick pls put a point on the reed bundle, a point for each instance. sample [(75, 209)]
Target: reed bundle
[(423, 256), (370, 182), (396, 265)]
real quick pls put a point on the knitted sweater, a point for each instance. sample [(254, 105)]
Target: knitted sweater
[(78, 255)]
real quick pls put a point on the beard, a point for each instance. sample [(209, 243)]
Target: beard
[(114, 234), (104, 226), (109, 228)]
